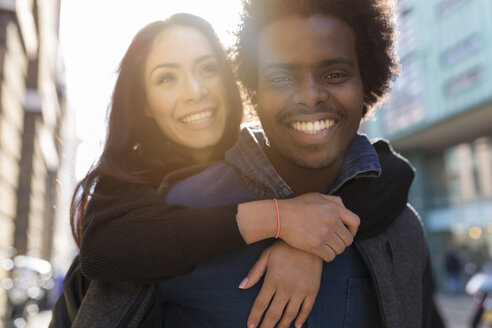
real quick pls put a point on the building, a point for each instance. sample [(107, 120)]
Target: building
[(439, 115), (32, 108)]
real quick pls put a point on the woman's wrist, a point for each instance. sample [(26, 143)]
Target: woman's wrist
[(257, 220)]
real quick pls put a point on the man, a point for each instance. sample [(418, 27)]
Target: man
[(313, 69)]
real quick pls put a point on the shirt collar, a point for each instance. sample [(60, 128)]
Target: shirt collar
[(249, 158)]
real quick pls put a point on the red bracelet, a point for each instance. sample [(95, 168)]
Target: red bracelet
[(278, 218)]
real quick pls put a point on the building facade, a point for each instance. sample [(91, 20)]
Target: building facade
[(439, 115), (32, 108)]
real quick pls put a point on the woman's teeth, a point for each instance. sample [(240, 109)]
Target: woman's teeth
[(312, 127), (197, 117)]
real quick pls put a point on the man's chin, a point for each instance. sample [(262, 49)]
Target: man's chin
[(311, 163)]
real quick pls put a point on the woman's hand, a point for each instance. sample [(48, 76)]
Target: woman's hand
[(290, 287), (316, 223)]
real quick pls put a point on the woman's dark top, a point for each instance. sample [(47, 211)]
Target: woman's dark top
[(139, 237)]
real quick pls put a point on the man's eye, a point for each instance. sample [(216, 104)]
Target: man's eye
[(166, 78), (332, 76)]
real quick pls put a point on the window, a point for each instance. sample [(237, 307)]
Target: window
[(464, 81), (446, 6), (465, 47), (404, 107)]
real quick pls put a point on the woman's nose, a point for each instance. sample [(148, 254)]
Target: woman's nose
[(193, 90)]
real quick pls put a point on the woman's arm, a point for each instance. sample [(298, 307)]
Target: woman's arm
[(140, 238)]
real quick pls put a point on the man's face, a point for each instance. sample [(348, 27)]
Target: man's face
[(309, 96)]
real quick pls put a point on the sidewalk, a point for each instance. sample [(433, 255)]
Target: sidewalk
[(456, 310)]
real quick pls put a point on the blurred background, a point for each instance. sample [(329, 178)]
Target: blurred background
[(57, 69)]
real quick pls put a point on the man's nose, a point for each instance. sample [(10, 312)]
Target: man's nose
[(193, 89), (311, 93)]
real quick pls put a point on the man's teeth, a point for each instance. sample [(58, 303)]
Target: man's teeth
[(197, 117), (312, 127)]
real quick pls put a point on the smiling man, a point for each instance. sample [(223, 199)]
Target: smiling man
[(309, 97), (313, 70)]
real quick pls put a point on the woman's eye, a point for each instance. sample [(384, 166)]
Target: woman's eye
[(210, 68), (279, 80), (166, 78)]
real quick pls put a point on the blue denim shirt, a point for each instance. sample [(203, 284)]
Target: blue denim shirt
[(210, 297)]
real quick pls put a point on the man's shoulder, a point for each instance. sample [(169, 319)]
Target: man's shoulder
[(408, 219), (219, 184), (407, 231)]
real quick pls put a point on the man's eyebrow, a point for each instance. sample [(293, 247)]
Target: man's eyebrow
[(335, 61), (176, 65), (324, 63)]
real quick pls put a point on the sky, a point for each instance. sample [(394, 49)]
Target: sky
[(94, 35)]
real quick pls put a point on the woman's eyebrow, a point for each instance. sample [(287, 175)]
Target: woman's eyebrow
[(176, 65), (204, 57), (164, 65), (286, 66)]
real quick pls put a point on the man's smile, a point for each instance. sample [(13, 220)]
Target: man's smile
[(312, 127)]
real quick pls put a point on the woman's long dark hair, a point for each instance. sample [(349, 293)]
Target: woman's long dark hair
[(136, 151)]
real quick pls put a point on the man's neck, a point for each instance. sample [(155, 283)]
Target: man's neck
[(304, 180)]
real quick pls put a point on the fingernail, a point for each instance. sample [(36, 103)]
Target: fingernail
[(299, 325), (241, 285), (251, 325)]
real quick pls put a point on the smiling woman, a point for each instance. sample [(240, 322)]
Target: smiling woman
[(89, 71), (185, 90)]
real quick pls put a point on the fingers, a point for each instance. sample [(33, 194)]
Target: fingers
[(329, 250), (275, 310), (336, 199), (335, 242), (290, 313), (256, 272), (326, 253), (306, 308), (350, 219), (295, 309), (345, 236), (260, 305)]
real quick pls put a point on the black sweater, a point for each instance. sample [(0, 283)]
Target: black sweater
[(137, 237)]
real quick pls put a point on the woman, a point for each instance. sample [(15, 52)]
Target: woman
[(176, 104)]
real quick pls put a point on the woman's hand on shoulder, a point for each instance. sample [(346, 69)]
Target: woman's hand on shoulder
[(313, 222), (318, 224), (290, 287)]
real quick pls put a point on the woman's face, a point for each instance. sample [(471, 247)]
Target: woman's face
[(185, 91)]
